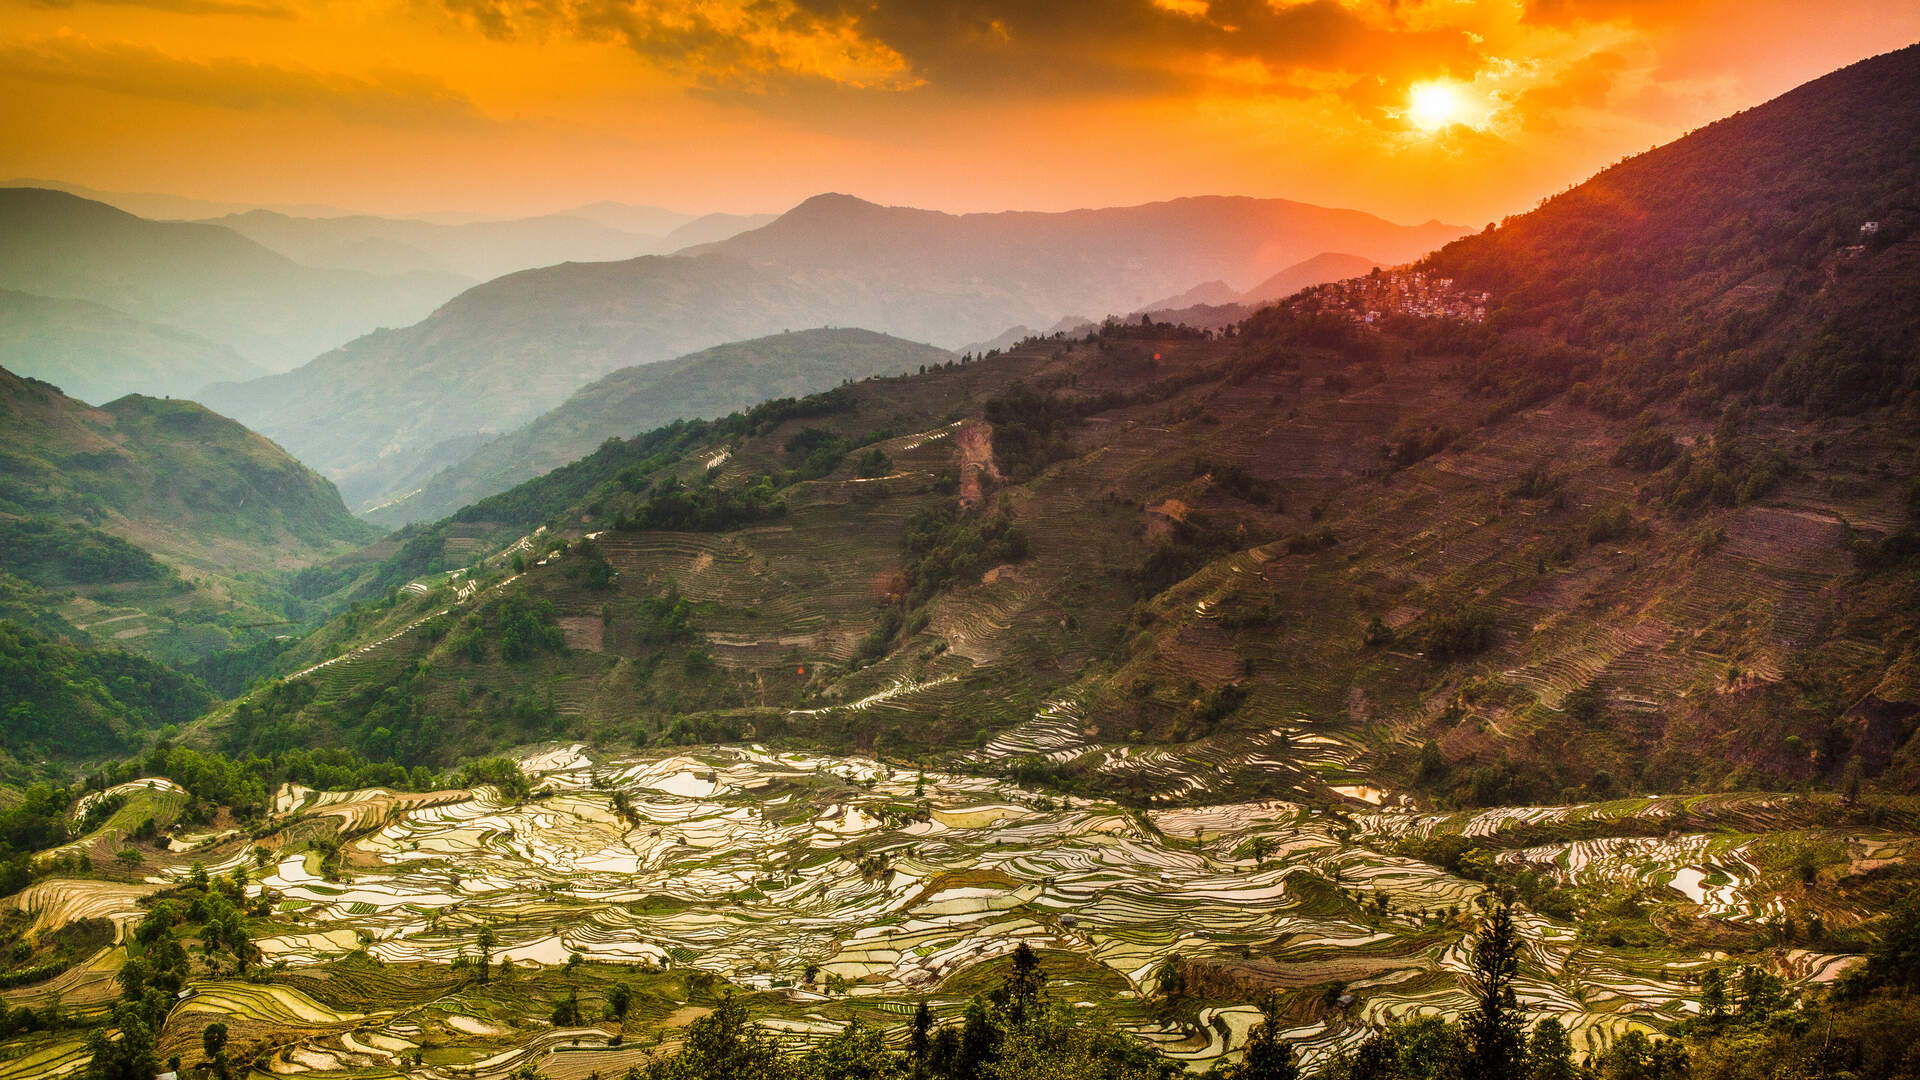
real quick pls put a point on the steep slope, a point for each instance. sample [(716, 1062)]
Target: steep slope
[(381, 414), (202, 279), (709, 383), (168, 476), (1322, 557), (1764, 252), (390, 409), (97, 354), (155, 526)]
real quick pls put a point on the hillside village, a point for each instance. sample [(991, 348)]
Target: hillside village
[(1386, 293)]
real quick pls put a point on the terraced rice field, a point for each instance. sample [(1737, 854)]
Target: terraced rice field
[(755, 865)]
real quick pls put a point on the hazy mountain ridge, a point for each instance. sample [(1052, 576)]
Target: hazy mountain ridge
[(201, 279), (1211, 305), (371, 414), (1042, 266), (377, 414), (97, 354), (710, 383), (1322, 268), (161, 206), (476, 251)]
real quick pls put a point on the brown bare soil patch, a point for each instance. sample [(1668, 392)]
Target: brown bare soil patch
[(584, 631)]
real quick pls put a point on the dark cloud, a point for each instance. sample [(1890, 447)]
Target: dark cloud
[(182, 7), (749, 47), (394, 98), (1006, 49)]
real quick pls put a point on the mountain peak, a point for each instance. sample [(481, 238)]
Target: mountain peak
[(834, 200)]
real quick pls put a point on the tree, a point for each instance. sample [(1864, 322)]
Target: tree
[(1895, 961), (1760, 993), (920, 1040), (131, 1056), (1055, 1044), (979, 1044), (1020, 995), (1713, 996), (858, 1052), (619, 1001), (485, 941), (1493, 1029), (1550, 1053), (1169, 981), (1633, 1056), (213, 1039), (1268, 1057), (723, 1043)]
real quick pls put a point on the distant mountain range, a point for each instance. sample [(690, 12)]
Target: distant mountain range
[(161, 206), (95, 353), (964, 273), (386, 411), (181, 304), (707, 384), (201, 279), (1322, 268), (480, 250), (1210, 305)]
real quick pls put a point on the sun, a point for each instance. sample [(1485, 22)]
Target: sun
[(1433, 105)]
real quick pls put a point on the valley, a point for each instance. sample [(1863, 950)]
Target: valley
[(827, 888), (1494, 656)]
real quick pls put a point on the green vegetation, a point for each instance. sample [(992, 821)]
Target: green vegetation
[(947, 547), (710, 383), (51, 553), (707, 507), (1010, 1033), (61, 700)]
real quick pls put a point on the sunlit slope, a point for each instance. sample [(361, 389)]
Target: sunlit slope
[(709, 383), (1487, 562)]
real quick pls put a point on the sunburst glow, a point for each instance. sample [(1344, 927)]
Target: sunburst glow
[(1432, 106)]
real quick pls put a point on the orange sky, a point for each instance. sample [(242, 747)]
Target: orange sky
[(519, 106)]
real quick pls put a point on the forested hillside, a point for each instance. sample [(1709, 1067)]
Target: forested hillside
[(707, 384), (152, 526)]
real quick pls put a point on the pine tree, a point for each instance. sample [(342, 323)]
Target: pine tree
[(1493, 1028), (920, 1040), (1269, 1057)]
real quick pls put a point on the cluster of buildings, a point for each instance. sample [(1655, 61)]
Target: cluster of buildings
[(1383, 293)]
